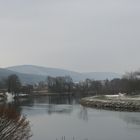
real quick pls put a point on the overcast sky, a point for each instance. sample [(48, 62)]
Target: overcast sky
[(80, 35)]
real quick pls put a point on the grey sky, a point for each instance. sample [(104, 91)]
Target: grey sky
[(81, 35)]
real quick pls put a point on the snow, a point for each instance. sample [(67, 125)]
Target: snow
[(110, 96), (116, 95), (10, 97), (22, 95)]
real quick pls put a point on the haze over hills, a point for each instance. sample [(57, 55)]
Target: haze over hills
[(76, 76)]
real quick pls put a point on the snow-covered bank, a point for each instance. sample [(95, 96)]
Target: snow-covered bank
[(113, 103), (10, 97)]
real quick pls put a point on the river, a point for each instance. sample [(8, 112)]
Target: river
[(52, 118)]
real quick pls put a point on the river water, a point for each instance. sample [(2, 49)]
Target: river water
[(52, 118)]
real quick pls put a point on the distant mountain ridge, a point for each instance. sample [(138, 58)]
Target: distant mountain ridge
[(32, 70), (39, 70), (25, 78)]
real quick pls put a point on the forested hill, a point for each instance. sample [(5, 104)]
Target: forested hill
[(25, 78), (76, 76)]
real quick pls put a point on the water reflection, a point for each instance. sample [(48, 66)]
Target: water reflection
[(64, 105), (83, 114), (50, 113), (75, 120), (56, 100), (13, 126), (130, 118), (46, 105), (59, 109)]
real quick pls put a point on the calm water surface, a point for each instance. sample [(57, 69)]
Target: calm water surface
[(54, 117)]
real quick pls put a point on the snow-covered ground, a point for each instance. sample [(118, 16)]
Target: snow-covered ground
[(112, 96), (10, 97), (116, 95)]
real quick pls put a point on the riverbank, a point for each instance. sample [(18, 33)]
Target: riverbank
[(127, 103)]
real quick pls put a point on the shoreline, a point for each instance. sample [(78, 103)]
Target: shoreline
[(116, 104)]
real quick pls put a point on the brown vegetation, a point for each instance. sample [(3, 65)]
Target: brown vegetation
[(13, 126)]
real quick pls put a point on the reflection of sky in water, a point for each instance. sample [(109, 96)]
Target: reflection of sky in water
[(48, 109), (132, 119), (51, 121)]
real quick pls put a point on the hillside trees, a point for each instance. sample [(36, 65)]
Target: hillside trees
[(60, 84), (13, 84), (3, 84)]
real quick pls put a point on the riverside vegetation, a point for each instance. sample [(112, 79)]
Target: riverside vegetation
[(129, 84), (13, 126)]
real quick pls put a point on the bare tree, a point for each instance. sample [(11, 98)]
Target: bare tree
[(13, 84)]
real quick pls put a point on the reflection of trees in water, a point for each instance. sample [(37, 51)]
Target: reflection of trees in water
[(60, 104), (60, 99), (23, 101), (18, 103), (59, 109), (83, 114), (13, 126), (54, 101), (130, 118)]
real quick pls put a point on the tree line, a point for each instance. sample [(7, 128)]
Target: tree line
[(60, 84), (13, 85), (129, 83)]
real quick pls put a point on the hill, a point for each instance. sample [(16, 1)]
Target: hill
[(44, 71), (25, 78)]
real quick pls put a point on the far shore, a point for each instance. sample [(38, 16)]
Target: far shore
[(127, 103), (39, 93)]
